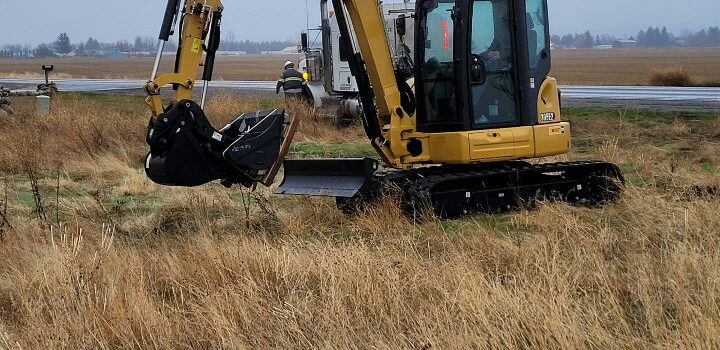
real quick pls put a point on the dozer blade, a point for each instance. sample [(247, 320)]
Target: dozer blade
[(339, 178)]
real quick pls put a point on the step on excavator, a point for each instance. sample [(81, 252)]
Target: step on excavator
[(460, 132)]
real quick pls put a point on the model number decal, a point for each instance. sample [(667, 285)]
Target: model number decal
[(547, 117), (557, 130)]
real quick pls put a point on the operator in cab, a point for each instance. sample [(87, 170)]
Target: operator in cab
[(494, 98), (293, 84)]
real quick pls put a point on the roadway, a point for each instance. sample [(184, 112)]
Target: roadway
[(660, 98), (100, 85)]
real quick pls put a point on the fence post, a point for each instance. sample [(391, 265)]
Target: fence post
[(42, 105)]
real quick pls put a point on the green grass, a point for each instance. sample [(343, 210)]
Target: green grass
[(641, 118), (340, 150), (708, 166), (631, 175), (24, 198), (135, 204)]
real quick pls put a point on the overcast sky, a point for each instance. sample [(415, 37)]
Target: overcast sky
[(37, 21)]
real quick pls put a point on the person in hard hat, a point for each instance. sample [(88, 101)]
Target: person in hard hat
[(293, 83)]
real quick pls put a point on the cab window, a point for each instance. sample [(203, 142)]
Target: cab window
[(438, 69), (345, 51), (537, 40)]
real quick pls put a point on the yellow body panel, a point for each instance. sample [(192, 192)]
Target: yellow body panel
[(552, 136), (448, 148), (552, 139), (492, 145), (549, 102), (525, 145)]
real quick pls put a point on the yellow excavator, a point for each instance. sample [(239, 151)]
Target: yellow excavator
[(481, 105)]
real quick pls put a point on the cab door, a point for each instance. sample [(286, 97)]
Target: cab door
[(438, 55), (492, 65), (494, 115), (533, 52)]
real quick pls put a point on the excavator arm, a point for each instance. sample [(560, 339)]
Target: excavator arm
[(386, 118), (200, 33), (388, 105), (185, 148)]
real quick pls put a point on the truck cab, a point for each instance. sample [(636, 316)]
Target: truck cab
[(328, 68)]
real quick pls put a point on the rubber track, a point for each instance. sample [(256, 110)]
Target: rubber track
[(454, 191)]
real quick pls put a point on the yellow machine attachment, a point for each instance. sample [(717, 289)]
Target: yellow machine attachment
[(185, 149)]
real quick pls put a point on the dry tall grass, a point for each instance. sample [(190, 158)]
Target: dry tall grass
[(248, 67), (678, 77), (632, 67), (128, 264)]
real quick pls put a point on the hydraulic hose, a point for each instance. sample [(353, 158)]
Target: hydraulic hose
[(170, 12)]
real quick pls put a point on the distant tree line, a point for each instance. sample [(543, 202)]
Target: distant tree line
[(705, 38), (580, 41), (652, 37), (16, 52), (254, 47), (63, 46), (655, 37)]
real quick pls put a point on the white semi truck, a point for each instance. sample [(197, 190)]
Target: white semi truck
[(327, 67)]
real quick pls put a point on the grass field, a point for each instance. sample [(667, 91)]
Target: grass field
[(633, 67), (572, 67), (96, 256), (250, 67)]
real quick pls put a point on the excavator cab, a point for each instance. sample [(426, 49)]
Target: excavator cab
[(483, 75), (481, 64)]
